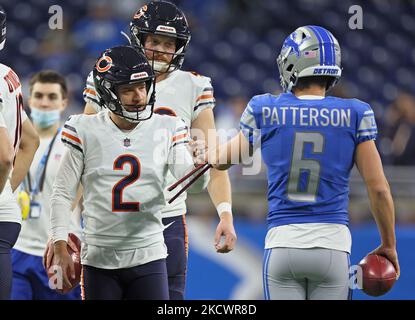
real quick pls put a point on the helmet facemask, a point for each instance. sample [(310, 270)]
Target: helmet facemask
[(138, 40), (122, 66), (161, 18), (114, 104)]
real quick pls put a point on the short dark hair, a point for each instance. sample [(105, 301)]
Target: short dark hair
[(306, 82), (49, 76)]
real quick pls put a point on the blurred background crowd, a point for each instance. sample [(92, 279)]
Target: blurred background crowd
[(236, 42)]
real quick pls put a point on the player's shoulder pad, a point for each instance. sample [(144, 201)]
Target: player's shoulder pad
[(360, 106), (197, 79), (167, 122), (72, 131), (80, 121), (75, 119), (260, 100)]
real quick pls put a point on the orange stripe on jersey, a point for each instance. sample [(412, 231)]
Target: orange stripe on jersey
[(179, 136), (90, 91), (205, 96), (71, 137)]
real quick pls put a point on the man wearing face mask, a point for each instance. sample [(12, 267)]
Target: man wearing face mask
[(48, 99)]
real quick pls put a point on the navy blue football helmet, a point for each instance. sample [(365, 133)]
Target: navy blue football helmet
[(166, 19), (120, 66)]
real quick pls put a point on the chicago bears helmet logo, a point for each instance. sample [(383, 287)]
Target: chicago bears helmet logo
[(140, 12), (104, 64)]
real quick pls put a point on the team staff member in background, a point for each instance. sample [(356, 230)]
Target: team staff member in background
[(48, 99), (17, 136), (309, 143), (160, 30)]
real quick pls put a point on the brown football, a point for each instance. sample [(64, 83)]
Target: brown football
[(379, 275), (74, 250)]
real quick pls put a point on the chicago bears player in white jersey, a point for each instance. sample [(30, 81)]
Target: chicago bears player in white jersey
[(122, 156), (310, 142), (18, 143), (160, 30), (48, 99)]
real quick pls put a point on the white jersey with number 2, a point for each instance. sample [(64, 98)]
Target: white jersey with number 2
[(182, 94)]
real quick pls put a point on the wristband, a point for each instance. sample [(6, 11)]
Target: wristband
[(223, 207)]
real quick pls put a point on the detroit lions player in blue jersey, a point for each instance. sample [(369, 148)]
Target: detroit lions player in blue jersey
[(309, 143)]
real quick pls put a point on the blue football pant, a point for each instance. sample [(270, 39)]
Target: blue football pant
[(306, 274), (30, 281), (143, 282), (9, 231), (176, 240)]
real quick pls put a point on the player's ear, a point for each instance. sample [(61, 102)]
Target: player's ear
[(65, 102)]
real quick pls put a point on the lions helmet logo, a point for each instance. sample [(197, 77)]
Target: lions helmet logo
[(294, 42)]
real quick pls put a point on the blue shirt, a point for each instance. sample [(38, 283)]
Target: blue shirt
[(308, 147)]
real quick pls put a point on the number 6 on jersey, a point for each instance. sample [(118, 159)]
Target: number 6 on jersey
[(299, 164)]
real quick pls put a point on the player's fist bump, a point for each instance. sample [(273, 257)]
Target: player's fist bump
[(198, 150)]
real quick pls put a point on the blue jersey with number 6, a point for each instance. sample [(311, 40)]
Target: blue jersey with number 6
[(308, 146)]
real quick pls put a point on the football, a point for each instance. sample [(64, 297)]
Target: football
[(378, 273), (74, 250)]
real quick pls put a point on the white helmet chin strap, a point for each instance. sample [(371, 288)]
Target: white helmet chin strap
[(129, 116), (160, 66)]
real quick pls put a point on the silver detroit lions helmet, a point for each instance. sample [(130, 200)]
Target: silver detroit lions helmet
[(309, 51)]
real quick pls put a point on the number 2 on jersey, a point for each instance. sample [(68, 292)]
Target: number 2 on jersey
[(118, 205), (299, 164)]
